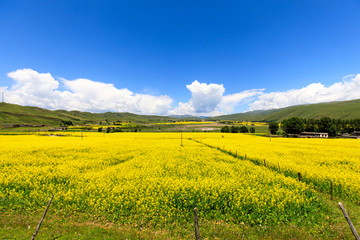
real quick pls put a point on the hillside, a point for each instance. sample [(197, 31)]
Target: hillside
[(16, 114), (339, 110)]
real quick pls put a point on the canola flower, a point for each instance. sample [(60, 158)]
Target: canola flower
[(185, 123), (147, 176), (251, 123), (318, 160)]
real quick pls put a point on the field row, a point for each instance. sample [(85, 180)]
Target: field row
[(318, 160)]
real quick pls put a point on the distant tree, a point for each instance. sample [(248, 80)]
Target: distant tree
[(244, 129), (108, 129), (117, 130), (100, 129), (332, 131), (292, 125), (340, 125), (252, 130), (225, 129), (311, 125), (325, 123), (273, 127), (68, 123), (348, 126), (234, 129)]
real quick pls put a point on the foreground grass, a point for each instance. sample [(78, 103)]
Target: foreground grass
[(60, 225)]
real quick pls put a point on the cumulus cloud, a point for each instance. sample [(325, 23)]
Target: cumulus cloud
[(205, 97), (41, 89), (31, 82), (209, 100), (229, 102), (313, 93)]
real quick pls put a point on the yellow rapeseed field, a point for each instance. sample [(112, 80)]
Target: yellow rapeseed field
[(318, 160), (185, 123), (150, 177)]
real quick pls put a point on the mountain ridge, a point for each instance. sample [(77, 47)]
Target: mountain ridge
[(349, 109), (17, 114)]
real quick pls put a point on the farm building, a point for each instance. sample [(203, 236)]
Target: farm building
[(313, 135), (59, 128), (11, 125)]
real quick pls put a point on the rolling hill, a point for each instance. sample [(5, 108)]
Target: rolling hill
[(16, 114), (339, 110)]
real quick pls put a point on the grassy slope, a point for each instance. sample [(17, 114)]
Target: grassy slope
[(12, 114), (340, 110)]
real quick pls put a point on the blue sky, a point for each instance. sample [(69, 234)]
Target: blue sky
[(179, 57)]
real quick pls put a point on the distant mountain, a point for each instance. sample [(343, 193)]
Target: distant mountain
[(339, 110), (187, 117), (16, 114)]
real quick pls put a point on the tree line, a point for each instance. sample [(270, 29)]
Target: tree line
[(234, 129), (328, 125)]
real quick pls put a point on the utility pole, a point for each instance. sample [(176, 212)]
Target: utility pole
[(181, 138)]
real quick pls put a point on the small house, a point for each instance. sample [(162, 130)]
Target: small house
[(313, 135), (60, 128)]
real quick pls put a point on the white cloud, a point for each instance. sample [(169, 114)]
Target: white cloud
[(41, 89), (229, 102), (31, 82), (313, 93), (209, 100), (348, 76), (205, 97)]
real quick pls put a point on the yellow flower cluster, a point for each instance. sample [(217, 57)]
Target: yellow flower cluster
[(252, 123), (147, 176), (184, 123), (318, 160)]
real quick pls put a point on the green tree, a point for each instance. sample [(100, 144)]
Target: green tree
[(273, 127), (100, 129), (310, 125), (234, 129), (67, 123), (244, 129), (325, 123), (252, 130), (292, 125), (332, 131), (328, 125), (225, 129)]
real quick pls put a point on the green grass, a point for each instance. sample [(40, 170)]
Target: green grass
[(59, 225)]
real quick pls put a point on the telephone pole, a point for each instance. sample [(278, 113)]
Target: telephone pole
[(181, 138)]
